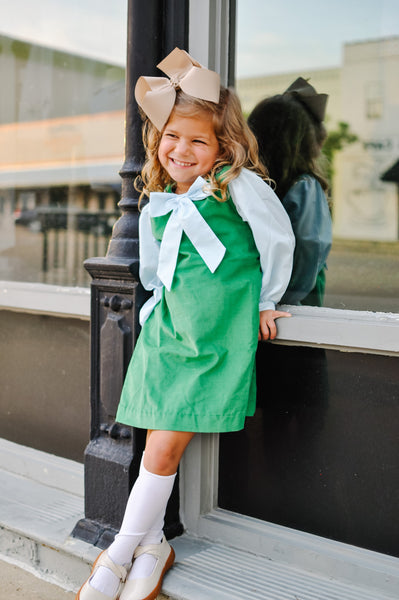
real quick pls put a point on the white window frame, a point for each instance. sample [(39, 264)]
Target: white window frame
[(347, 331)]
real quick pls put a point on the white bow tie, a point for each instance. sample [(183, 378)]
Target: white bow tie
[(185, 217)]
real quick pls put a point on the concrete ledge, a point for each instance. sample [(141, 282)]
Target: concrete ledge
[(206, 571), (65, 567), (35, 523), (52, 471), (306, 553)]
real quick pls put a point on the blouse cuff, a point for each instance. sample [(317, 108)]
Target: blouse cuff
[(149, 306), (268, 305)]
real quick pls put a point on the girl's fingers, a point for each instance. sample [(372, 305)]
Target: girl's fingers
[(282, 313), (267, 329), (267, 326), (272, 329)]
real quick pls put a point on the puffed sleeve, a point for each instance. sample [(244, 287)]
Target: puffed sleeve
[(258, 205), (149, 255), (307, 208)]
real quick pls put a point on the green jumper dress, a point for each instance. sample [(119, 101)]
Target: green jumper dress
[(193, 367)]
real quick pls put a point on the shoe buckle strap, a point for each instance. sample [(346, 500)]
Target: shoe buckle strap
[(150, 549), (119, 570)]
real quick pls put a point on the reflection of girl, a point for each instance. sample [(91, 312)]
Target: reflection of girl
[(290, 133), (216, 249)]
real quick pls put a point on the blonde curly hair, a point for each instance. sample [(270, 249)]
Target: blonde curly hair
[(238, 147)]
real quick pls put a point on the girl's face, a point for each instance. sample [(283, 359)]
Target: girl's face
[(188, 149)]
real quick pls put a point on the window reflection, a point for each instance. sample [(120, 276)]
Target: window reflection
[(55, 229), (357, 65), (61, 138), (290, 132)]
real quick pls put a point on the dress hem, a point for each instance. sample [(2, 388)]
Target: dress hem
[(164, 425)]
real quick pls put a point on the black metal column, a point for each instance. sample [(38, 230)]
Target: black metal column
[(113, 454)]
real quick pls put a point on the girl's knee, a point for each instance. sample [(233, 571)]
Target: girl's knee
[(164, 450)]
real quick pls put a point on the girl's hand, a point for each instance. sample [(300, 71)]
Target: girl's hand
[(267, 325)]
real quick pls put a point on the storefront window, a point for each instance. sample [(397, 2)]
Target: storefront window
[(314, 457), (61, 135), (350, 52)]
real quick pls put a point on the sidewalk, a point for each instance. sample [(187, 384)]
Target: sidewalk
[(17, 583)]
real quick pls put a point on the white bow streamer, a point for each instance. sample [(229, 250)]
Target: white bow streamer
[(185, 218)]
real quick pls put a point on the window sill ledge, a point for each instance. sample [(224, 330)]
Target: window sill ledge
[(347, 330), (39, 298)]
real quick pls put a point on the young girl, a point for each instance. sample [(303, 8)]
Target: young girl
[(290, 133), (216, 250)]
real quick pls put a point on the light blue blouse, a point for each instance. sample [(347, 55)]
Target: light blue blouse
[(255, 202)]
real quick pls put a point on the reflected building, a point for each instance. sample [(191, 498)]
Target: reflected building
[(363, 92), (61, 147)]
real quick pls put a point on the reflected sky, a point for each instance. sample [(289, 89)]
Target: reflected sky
[(94, 28), (277, 37), (272, 37)]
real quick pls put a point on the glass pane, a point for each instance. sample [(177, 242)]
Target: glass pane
[(350, 51), (321, 453), (61, 135)]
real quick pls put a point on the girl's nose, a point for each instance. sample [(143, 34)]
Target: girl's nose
[(182, 146)]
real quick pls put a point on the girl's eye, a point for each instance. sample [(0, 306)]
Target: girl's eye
[(198, 141)]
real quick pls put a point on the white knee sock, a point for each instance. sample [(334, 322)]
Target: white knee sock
[(147, 502), (144, 564)]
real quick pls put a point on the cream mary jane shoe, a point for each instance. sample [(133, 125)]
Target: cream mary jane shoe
[(86, 592), (148, 588)]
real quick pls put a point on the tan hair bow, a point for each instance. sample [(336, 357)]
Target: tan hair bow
[(156, 95)]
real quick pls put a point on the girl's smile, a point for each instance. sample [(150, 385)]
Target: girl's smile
[(188, 149)]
